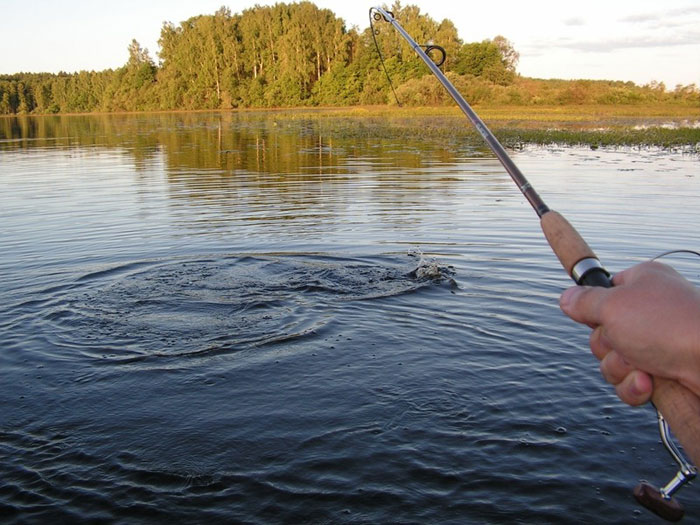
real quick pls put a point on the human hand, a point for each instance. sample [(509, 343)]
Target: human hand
[(647, 324)]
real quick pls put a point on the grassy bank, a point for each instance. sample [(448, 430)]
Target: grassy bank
[(665, 126)]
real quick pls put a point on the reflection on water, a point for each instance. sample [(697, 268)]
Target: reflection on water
[(222, 142), (258, 318)]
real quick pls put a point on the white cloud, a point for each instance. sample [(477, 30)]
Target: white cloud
[(633, 42), (663, 16), (574, 21)]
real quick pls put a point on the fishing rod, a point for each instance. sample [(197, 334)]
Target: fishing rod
[(679, 406)]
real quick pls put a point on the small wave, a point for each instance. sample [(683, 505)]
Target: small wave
[(113, 271), (52, 478), (204, 306)]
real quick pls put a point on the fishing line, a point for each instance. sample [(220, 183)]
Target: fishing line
[(673, 252), (429, 48), (678, 405), (375, 32)]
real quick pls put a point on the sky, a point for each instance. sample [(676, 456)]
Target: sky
[(630, 40)]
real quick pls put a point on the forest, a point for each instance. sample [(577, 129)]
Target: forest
[(298, 55)]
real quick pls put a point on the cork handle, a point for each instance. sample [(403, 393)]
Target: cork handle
[(565, 241), (681, 410), (679, 406)]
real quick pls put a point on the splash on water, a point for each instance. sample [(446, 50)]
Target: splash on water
[(206, 306), (431, 269)]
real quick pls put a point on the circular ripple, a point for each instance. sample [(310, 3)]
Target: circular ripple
[(205, 306)]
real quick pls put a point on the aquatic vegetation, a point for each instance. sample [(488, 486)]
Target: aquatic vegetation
[(687, 139), (592, 126)]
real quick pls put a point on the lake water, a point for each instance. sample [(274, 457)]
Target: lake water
[(255, 318)]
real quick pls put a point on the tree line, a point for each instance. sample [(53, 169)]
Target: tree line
[(297, 54)]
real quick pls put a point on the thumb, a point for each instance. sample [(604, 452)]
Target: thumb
[(584, 303)]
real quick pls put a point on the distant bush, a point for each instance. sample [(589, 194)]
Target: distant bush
[(427, 91)]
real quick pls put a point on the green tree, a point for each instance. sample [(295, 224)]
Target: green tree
[(5, 100), (24, 99), (509, 56), (340, 86), (200, 62), (132, 86), (493, 60)]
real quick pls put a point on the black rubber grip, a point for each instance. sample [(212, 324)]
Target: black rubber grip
[(596, 277)]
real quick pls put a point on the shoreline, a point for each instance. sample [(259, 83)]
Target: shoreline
[(661, 125), (568, 113)]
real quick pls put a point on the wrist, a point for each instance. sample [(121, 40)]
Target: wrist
[(690, 376), (694, 372)]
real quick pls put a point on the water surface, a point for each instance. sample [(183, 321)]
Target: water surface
[(250, 318)]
